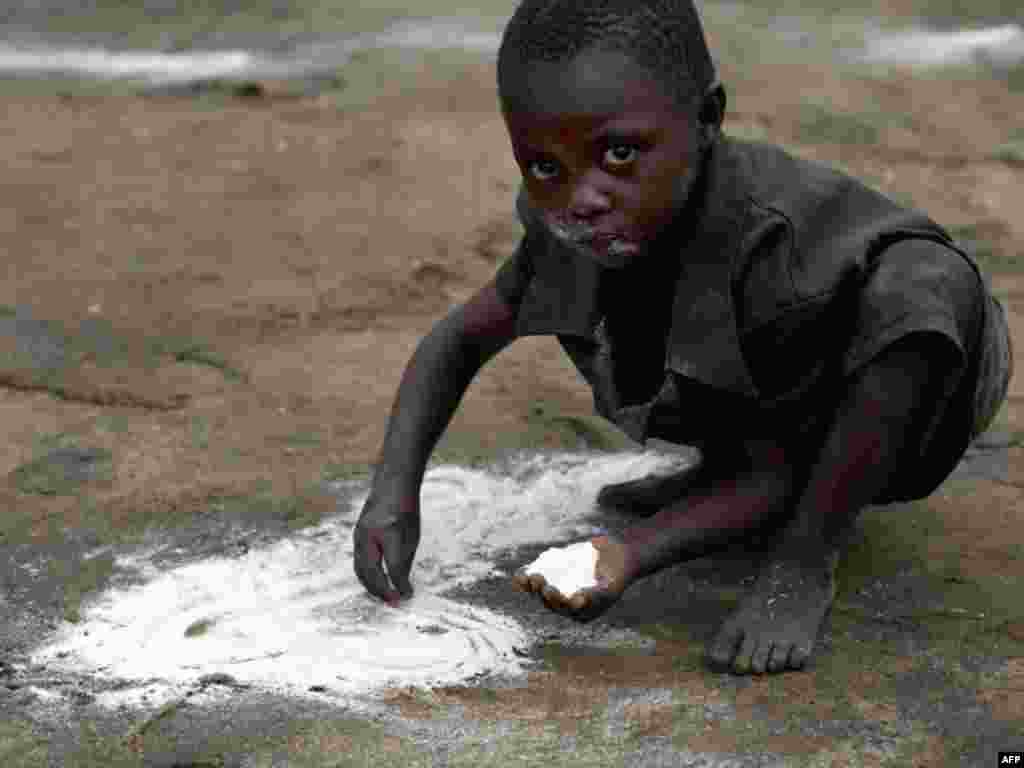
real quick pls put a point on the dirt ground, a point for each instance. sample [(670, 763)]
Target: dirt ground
[(243, 282)]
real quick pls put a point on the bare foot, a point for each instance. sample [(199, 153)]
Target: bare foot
[(776, 625), (646, 495), (612, 576)]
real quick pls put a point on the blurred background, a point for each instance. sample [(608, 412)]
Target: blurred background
[(174, 42), (225, 226)]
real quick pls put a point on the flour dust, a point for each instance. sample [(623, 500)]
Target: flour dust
[(291, 617)]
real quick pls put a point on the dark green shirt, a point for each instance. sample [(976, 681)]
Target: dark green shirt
[(780, 280)]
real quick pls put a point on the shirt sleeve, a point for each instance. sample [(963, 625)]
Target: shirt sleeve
[(917, 285)]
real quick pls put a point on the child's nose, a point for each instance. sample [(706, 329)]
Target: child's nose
[(588, 200)]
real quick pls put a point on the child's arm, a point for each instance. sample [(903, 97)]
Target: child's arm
[(435, 380), (432, 386)]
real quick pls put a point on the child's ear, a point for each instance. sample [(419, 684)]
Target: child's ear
[(712, 112)]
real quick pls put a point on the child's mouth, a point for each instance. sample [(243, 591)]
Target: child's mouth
[(609, 249)]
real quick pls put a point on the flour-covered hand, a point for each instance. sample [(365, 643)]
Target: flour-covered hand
[(586, 604)]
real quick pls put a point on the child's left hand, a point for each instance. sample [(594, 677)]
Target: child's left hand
[(610, 572)]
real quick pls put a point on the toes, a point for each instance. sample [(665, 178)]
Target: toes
[(723, 649), (798, 656), (779, 658), (742, 664), (632, 497), (608, 496), (759, 658), (615, 493)]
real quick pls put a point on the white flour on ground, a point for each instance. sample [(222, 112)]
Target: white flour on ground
[(568, 569), (292, 616)]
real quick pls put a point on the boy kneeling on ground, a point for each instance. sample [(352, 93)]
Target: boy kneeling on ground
[(824, 347)]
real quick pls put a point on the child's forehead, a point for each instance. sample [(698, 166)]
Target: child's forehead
[(594, 83), (537, 130)]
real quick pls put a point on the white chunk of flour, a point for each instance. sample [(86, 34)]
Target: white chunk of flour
[(568, 569)]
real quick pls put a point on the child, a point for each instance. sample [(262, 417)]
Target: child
[(825, 347)]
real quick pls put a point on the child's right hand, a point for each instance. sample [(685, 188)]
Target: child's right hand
[(387, 535)]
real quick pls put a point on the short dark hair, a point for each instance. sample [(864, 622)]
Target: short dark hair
[(664, 37)]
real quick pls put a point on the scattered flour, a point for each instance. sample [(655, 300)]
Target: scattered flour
[(291, 616), (568, 569)]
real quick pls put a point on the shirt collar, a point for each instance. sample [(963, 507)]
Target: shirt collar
[(703, 343)]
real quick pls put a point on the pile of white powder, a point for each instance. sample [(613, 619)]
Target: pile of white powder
[(567, 569), (292, 617)]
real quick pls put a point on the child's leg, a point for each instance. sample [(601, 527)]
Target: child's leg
[(776, 625), (644, 496), (875, 434)]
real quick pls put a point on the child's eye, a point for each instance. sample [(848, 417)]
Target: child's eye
[(549, 169), (616, 156), (620, 154)]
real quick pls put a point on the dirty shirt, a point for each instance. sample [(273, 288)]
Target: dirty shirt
[(749, 314)]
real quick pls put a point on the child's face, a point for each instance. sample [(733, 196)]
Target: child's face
[(607, 157)]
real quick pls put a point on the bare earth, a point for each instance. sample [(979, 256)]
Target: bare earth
[(310, 249)]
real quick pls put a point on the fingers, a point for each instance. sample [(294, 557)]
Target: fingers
[(552, 598), (576, 606), (398, 559), (368, 552), (529, 582)]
